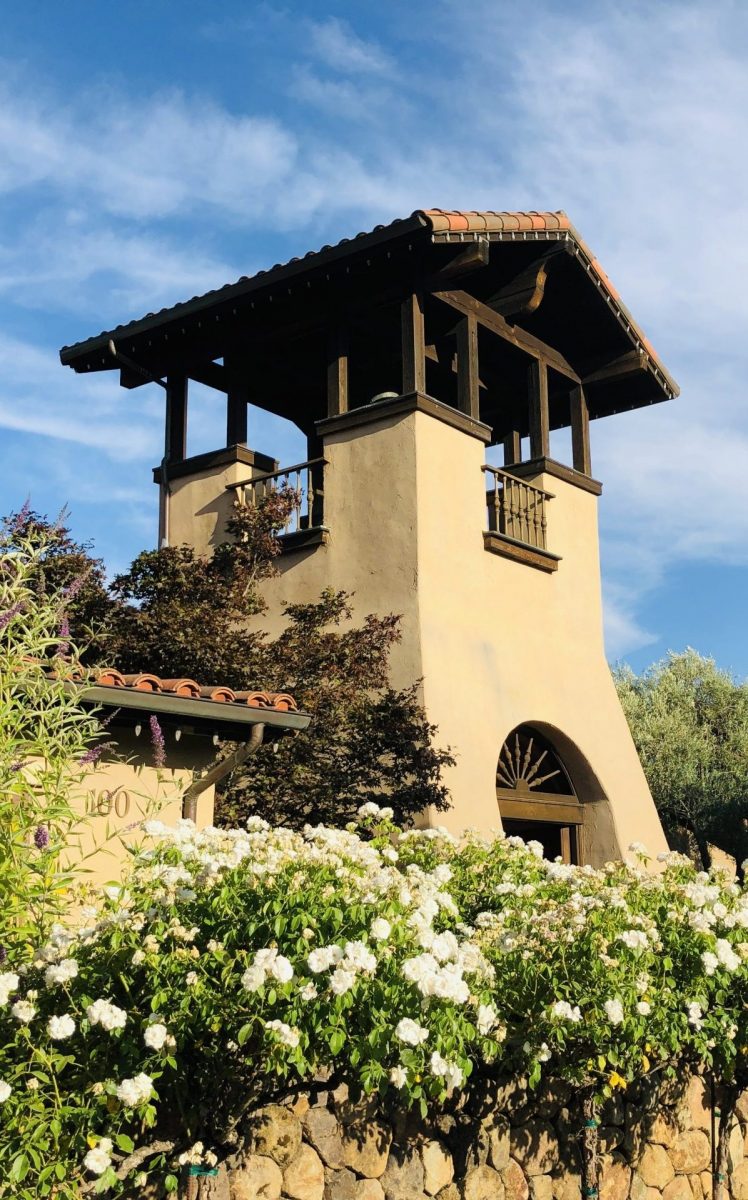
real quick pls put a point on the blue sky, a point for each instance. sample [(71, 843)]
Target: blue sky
[(152, 150)]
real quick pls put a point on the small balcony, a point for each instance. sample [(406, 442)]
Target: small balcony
[(517, 520), (306, 521)]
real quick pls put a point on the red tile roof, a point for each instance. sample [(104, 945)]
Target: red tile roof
[(189, 688)]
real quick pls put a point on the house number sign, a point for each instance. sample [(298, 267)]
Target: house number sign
[(103, 804)]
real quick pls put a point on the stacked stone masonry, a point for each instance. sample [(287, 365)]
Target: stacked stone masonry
[(506, 1144)]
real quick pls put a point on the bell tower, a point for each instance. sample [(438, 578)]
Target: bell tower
[(430, 364)]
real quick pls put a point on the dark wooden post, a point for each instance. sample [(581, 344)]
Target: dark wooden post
[(539, 419), (580, 432), (236, 414), (175, 434), (337, 372), (414, 344), (512, 447), (468, 394), (175, 445)]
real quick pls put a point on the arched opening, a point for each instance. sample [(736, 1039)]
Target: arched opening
[(537, 798)]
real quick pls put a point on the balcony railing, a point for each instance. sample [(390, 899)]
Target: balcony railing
[(304, 479), (516, 509)]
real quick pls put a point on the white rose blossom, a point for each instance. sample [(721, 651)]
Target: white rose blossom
[(60, 1028), (155, 1036), (99, 1159), (411, 1032), (106, 1014), (614, 1011), (5, 1091), (135, 1091)]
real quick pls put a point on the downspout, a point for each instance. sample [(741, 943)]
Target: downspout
[(220, 769)]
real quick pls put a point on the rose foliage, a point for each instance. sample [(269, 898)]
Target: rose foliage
[(234, 966)]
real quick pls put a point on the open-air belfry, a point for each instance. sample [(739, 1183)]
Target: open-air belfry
[(402, 354)]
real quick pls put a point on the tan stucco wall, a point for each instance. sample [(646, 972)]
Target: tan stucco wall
[(497, 643), (116, 797), (199, 505)]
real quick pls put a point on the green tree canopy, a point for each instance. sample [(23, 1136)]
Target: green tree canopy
[(689, 721)]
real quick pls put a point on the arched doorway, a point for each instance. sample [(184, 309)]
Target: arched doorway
[(536, 796)]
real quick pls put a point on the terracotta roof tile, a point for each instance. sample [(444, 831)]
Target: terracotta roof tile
[(189, 688)]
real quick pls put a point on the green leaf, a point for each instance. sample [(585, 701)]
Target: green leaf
[(19, 1169), (336, 1040), (125, 1143)]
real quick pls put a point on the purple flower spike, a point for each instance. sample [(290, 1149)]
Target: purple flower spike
[(157, 740), (92, 755), (64, 635), (10, 613), (72, 589), (21, 517), (41, 837)]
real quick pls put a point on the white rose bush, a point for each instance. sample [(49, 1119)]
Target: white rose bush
[(234, 967)]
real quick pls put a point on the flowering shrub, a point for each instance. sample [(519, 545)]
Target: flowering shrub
[(46, 739), (234, 966)]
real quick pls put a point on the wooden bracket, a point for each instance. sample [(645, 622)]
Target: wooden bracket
[(523, 294)]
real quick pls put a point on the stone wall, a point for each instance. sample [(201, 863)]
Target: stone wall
[(505, 1144)]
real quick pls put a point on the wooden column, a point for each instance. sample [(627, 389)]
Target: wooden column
[(337, 372), (580, 432), (175, 434), (414, 344), (236, 413), (175, 446), (512, 447), (468, 393), (539, 419)]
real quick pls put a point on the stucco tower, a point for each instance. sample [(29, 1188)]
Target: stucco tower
[(404, 356)]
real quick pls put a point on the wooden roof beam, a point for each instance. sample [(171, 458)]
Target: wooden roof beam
[(472, 258), (213, 375), (628, 364), (467, 305)]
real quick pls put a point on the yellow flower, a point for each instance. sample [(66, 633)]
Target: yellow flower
[(617, 1081)]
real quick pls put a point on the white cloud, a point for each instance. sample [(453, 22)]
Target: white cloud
[(38, 397), (336, 45)]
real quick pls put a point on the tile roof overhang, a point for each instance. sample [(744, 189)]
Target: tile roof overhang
[(436, 226), (208, 709)]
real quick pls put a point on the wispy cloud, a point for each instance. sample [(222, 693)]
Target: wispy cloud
[(338, 46)]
